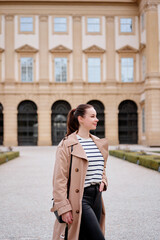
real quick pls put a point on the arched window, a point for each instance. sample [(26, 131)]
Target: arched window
[(128, 123), (60, 111), (27, 124), (1, 124), (99, 107)]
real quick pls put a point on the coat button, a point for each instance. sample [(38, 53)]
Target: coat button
[(77, 191), (77, 211), (76, 170)]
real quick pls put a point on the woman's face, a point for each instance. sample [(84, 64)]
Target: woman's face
[(89, 121)]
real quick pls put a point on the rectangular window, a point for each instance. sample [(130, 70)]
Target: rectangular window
[(26, 24), (60, 24), (93, 25), (60, 69), (127, 69), (26, 69), (126, 25), (94, 69), (143, 120)]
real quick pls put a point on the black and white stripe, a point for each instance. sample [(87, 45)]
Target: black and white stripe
[(95, 159)]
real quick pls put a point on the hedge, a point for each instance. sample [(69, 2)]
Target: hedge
[(149, 161), (4, 157)]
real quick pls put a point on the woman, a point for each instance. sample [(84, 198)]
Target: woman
[(84, 211)]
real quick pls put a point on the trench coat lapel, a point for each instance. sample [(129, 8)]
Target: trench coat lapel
[(102, 145), (78, 151), (77, 147)]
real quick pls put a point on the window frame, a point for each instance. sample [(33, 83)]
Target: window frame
[(26, 55), (67, 25), (19, 24), (133, 26), (96, 55), (86, 25), (127, 55), (60, 55)]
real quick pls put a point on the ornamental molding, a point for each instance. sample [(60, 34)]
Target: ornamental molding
[(43, 18), (1, 50), (94, 49), (150, 5), (127, 49), (60, 49), (26, 49), (141, 46), (9, 17), (76, 18), (110, 19)]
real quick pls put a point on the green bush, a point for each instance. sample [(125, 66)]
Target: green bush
[(117, 153), (4, 157), (131, 157), (149, 161)]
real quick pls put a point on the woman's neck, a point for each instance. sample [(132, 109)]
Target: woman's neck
[(83, 133)]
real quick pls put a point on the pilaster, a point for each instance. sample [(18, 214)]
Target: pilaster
[(9, 48), (110, 45), (43, 49), (10, 127), (77, 49)]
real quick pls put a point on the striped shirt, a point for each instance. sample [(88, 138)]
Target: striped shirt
[(95, 159)]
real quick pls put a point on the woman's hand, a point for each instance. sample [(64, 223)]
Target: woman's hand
[(101, 187), (67, 217)]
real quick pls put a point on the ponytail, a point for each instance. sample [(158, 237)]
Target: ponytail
[(72, 122), (72, 119)]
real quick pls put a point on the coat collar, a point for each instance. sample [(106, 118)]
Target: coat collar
[(78, 151)]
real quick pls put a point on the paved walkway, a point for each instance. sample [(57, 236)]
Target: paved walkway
[(132, 200)]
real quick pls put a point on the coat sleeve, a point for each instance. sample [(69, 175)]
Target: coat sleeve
[(104, 177), (60, 179)]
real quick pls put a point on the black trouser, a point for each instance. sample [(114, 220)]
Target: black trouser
[(91, 214)]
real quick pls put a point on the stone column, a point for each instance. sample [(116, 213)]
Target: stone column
[(152, 38), (43, 49), (9, 48), (10, 123), (110, 45), (111, 125), (152, 82), (77, 49), (44, 123)]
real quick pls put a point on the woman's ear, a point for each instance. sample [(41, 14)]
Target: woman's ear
[(80, 119)]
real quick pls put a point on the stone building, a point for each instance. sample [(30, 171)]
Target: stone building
[(57, 54)]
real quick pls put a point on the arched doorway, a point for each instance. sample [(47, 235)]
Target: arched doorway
[(1, 124), (60, 111), (128, 123), (99, 107), (27, 124)]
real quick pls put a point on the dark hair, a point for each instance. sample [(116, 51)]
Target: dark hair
[(72, 118)]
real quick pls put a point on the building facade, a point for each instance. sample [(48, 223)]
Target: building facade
[(55, 55)]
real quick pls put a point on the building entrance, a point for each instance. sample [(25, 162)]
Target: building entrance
[(27, 124), (127, 122), (60, 111)]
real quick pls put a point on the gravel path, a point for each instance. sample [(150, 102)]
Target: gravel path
[(132, 200)]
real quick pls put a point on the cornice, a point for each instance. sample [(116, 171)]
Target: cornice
[(60, 49), (1, 50), (26, 49), (69, 1), (127, 49), (94, 49)]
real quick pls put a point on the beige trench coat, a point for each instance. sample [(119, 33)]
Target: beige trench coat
[(78, 173)]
